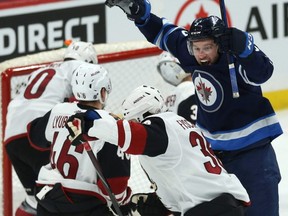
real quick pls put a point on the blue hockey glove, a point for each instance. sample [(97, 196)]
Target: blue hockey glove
[(236, 42), (136, 10), (78, 126)]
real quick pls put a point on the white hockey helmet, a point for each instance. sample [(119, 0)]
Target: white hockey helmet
[(83, 51), (170, 70), (143, 101), (88, 80)]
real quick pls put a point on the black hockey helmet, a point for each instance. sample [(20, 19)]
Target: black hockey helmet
[(208, 27)]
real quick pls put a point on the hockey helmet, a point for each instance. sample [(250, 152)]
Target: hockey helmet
[(170, 69), (208, 27), (83, 51), (143, 101), (88, 80)]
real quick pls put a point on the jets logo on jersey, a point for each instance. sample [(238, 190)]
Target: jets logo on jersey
[(208, 90)]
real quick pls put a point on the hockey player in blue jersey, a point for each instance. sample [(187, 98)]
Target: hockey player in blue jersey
[(240, 129)]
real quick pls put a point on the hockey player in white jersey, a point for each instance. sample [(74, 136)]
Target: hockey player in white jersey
[(47, 87), (182, 99), (69, 184), (190, 179)]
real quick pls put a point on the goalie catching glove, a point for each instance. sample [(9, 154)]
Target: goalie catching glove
[(136, 10), (78, 126)]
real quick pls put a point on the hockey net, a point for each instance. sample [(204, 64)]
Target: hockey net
[(130, 64)]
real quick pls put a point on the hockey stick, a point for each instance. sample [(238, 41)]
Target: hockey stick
[(102, 178), (231, 65)]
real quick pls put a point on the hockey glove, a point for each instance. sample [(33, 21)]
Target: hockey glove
[(149, 205), (236, 42), (127, 209), (78, 126), (136, 10)]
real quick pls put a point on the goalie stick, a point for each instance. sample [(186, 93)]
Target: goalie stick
[(102, 178), (231, 65)]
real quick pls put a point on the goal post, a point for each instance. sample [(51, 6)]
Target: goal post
[(130, 64)]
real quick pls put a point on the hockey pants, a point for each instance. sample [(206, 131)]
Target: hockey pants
[(223, 205)]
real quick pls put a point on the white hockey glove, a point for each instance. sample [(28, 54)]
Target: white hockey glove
[(136, 10), (78, 126)]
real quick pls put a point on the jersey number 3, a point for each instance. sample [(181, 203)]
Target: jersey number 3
[(214, 165)]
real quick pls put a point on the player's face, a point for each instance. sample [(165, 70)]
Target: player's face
[(205, 51)]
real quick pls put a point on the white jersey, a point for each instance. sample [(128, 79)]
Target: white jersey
[(47, 87), (182, 101), (176, 157), (71, 165)]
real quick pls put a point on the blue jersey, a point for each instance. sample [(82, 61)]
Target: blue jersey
[(228, 123)]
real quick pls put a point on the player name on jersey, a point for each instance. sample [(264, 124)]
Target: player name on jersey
[(59, 121)]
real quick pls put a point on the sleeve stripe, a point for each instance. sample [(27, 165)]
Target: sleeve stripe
[(127, 129), (124, 134), (121, 133), (129, 143)]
